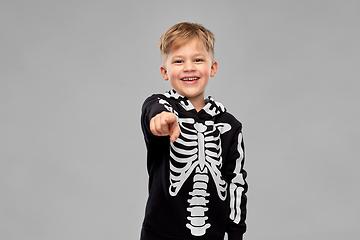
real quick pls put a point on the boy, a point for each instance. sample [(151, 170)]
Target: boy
[(195, 150)]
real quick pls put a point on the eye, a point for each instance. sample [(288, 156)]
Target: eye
[(178, 61), (198, 60)]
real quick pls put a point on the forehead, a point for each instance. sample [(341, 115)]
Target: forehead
[(194, 46)]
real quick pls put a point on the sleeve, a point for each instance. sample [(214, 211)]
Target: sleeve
[(237, 188), (152, 106), (155, 145)]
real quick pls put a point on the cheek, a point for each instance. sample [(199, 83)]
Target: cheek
[(206, 71), (174, 73)]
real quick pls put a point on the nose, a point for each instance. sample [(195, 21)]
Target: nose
[(189, 66)]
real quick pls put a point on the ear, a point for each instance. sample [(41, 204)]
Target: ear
[(214, 68), (164, 73)]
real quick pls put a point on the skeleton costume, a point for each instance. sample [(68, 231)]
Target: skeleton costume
[(196, 184)]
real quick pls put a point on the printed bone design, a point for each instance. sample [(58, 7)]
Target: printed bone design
[(198, 148)]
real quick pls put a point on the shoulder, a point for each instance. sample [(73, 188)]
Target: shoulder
[(157, 103), (159, 97), (230, 119), (152, 97)]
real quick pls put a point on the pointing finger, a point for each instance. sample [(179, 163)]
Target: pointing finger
[(171, 118)]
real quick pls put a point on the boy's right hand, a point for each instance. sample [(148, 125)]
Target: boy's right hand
[(165, 124)]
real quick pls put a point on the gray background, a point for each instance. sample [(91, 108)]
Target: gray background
[(74, 74)]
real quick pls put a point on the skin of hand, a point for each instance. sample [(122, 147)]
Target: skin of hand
[(165, 124)]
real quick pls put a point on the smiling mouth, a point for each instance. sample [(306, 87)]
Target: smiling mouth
[(189, 79)]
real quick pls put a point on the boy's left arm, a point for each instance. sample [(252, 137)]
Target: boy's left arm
[(236, 175)]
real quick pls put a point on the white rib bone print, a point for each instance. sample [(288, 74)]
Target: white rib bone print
[(198, 148)]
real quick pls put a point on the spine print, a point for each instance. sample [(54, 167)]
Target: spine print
[(198, 203)]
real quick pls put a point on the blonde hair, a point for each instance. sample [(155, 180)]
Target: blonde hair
[(183, 33)]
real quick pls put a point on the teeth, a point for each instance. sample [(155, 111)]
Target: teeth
[(189, 79)]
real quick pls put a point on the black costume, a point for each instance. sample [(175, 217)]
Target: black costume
[(196, 184)]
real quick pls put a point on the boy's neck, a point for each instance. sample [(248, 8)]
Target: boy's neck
[(198, 103)]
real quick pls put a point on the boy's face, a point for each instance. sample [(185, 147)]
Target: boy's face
[(189, 69)]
